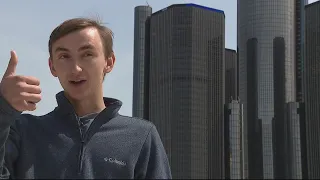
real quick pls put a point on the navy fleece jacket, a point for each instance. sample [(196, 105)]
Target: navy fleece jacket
[(55, 145)]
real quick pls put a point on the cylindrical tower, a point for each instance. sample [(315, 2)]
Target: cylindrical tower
[(266, 47), (141, 14)]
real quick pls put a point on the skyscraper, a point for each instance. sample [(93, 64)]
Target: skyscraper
[(296, 145), (300, 33), (266, 50), (233, 143), (312, 98), (186, 94), (231, 75), (141, 13)]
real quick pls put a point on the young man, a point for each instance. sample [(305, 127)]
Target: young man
[(84, 136)]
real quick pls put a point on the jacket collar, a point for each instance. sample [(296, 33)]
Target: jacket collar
[(66, 108)]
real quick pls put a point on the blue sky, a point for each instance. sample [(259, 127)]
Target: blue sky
[(25, 27)]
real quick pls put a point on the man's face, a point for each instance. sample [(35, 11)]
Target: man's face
[(79, 62)]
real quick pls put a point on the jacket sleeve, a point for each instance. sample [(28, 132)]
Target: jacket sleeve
[(153, 161), (9, 139)]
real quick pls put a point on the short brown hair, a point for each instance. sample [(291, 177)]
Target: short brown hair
[(76, 24)]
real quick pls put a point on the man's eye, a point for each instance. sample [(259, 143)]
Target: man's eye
[(63, 56), (87, 54)]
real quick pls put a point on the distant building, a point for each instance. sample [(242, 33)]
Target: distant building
[(186, 88), (231, 73), (300, 44), (233, 143), (296, 145), (141, 13), (266, 50), (312, 88)]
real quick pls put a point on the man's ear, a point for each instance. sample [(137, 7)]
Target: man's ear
[(109, 63), (52, 69)]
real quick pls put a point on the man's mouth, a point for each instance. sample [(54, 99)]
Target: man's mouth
[(77, 82)]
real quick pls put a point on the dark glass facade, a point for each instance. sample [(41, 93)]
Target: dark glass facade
[(141, 13), (253, 124), (147, 71), (312, 88), (299, 50), (279, 143), (186, 88), (303, 136), (231, 73)]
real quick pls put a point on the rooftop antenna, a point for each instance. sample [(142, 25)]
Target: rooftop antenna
[(147, 3)]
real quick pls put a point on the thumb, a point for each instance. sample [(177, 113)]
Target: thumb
[(11, 69)]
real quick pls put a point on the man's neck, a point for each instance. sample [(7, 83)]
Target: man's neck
[(87, 105)]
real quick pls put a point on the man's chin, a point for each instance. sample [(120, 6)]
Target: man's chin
[(75, 96)]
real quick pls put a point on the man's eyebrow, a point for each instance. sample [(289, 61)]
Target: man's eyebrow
[(61, 49), (85, 47)]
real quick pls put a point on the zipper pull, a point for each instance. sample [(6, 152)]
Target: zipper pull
[(81, 124)]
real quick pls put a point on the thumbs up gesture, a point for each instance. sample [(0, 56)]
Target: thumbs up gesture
[(21, 92)]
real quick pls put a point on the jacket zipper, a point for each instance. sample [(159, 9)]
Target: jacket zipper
[(80, 158), (83, 137)]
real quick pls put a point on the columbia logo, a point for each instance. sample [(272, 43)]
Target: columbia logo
[(113, 160)]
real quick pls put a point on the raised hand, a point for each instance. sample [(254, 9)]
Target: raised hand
[(21, 92)]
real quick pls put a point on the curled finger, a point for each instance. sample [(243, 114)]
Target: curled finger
[(30, 106), (31, 80), (33, 89), (31, 97)]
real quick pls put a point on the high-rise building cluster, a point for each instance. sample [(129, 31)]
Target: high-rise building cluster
[(252, 112)]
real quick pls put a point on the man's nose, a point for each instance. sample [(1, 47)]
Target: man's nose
[(75, 68)]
